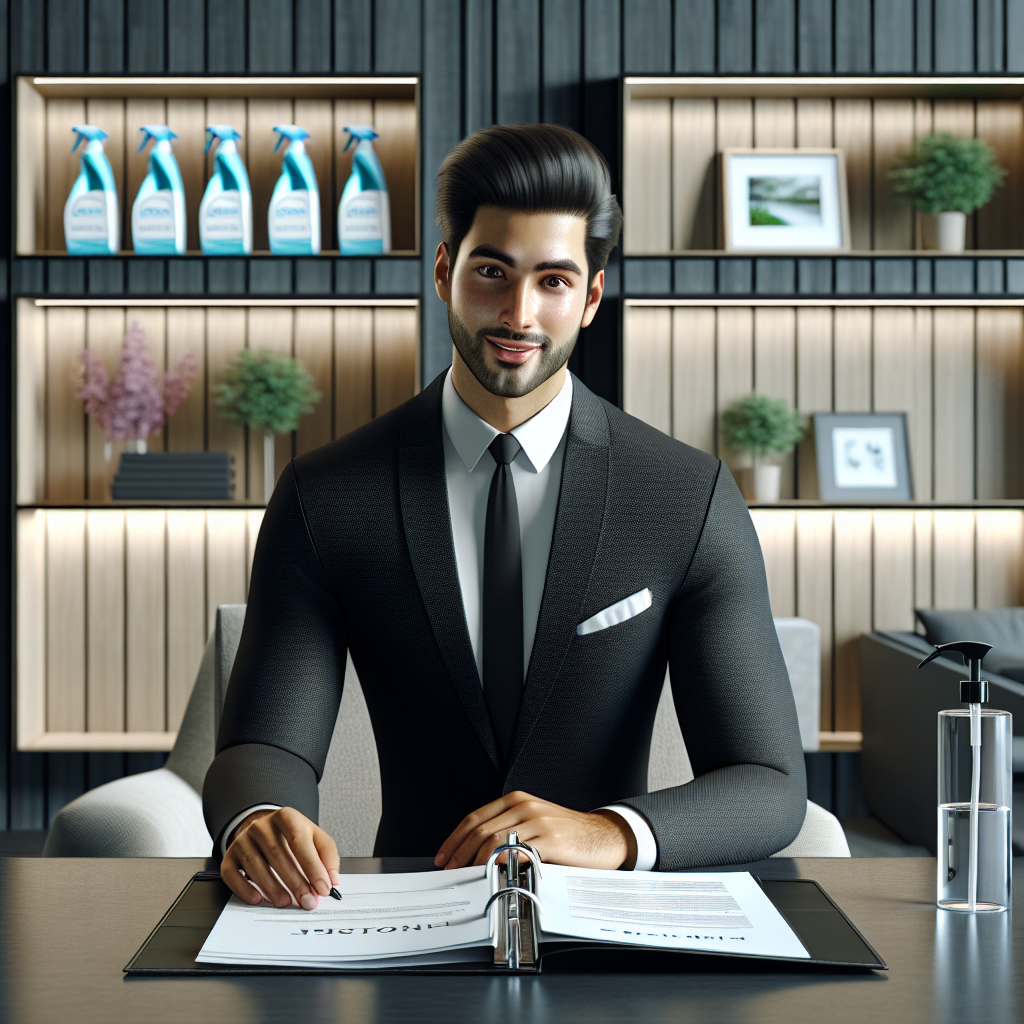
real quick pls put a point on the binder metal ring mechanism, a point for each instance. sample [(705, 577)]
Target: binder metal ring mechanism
[(513, 905)]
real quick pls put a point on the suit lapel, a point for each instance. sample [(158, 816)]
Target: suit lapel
[(423, 495), (578, 523)]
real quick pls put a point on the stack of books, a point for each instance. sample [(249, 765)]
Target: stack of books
[(174, 476)]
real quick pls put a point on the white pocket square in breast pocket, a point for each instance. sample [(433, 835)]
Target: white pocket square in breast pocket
[(618, 612)]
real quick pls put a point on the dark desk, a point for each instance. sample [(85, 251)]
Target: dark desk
[(943, 967)]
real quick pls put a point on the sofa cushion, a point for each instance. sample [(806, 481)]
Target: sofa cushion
[(1003, 628)]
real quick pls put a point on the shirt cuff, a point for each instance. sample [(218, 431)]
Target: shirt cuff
[(239, 818), (646, 844)]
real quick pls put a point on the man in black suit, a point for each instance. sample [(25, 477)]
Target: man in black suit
[(511, 562)]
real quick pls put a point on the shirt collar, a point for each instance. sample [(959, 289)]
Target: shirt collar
[(540, 435)]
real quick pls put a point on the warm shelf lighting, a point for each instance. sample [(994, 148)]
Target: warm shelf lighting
[(202, 300)]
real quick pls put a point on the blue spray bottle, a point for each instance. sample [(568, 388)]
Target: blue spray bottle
[(293, 219), (158, 216), (225, 214), (91, 213), (364, 213)]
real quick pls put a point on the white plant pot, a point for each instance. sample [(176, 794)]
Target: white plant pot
[(952, 231), (767, 484)]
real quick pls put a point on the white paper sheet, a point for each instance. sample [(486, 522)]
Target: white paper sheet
[(723, 911)]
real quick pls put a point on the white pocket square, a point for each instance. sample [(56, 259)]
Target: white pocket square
[(618, 612)]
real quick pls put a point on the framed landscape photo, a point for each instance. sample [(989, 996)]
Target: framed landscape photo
[(784, 200), (862, 456)]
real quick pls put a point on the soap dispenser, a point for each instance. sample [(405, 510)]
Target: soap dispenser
[(975, 794)]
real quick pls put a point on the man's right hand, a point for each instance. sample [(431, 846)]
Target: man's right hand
[(303, 855)]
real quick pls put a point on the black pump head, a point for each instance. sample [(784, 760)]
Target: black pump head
[(975, 689)]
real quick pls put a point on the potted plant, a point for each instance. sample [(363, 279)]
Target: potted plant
[(267, 392), (950, 177), (762, 426)]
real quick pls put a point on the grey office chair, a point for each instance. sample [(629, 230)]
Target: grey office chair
[(159, 813)]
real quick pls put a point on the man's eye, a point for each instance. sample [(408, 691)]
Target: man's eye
[(554, 282), (489, 271)]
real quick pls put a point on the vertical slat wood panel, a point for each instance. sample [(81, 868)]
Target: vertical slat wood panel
[(813, 388), (105, 611), (814, 123), (137, 112), (225, 338), (346, 112), (647, 366), (922, 449), (270, 330), (999, 542), (226, 558), (186, 607), (153, 321), (924, 562), (999, 442), (774, 123), (31, 400), (693, 371), (109, 115), (264, 164), (814, 592), (395, 123), (353, 369), (776, 532), (852, 134), (953, 559), (62, 166), (317, 117), (31, 624), (775, 367), (893, 135), (648, 177), (852, 360), (925, 236), (314, 332), (187, 119), (30, 155), (693, 174), (65, 621), (104, 328), (734, 123), (395, 350), (852, 611), (734, 370), (186, 335), (1001, 222), (253, 522), (954, 405), (65, 421), (145, 621), (893, 558)]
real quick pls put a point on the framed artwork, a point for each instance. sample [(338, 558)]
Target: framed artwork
[(862, 456), (784, 200)]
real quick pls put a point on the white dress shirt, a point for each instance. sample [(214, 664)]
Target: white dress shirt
[(537, 474)]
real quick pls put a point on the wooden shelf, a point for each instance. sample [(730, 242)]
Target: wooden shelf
[(809, 503)]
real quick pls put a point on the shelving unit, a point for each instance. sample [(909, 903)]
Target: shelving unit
[(891, 326)]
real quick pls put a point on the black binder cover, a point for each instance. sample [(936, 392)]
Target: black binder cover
[(821, 926)]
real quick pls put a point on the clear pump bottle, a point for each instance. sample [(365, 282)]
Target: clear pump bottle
[(975, 795)]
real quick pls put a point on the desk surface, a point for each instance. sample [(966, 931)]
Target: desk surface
[(67, 927)]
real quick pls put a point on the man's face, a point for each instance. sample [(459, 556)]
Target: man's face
[(518, 296)]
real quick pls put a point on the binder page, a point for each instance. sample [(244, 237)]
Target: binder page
[(726, 911), (378, 917)]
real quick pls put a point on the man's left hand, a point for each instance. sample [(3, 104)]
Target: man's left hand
[(597, 839)]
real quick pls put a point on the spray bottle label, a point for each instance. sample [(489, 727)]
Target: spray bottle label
[(362, 217), (289, 217), (85, 217), (153, 218), (222, 217)]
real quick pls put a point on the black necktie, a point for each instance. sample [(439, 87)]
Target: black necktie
[(503, 596)]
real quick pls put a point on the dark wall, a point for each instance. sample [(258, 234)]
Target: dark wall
[(482, 62)]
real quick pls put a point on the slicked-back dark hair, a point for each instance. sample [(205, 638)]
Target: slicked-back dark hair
[(528, 167)]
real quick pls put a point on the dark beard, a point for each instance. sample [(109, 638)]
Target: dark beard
[(515, 381)]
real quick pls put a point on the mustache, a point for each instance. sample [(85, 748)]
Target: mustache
[(504, 332)]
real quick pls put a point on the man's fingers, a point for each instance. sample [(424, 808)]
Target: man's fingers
[(474, 821), (236, 883), (528, 833), (305, 841), (251, 860), (275, 851), (328, 851), (489, 834)]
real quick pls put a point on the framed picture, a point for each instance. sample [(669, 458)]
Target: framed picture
[(784, 200), (862, 456)]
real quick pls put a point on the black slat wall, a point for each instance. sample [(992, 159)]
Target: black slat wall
[(482, 62)]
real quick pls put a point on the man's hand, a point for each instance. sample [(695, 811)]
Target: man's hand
[(598, 839), (284, 841)]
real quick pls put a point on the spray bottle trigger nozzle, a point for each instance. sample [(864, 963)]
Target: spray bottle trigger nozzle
[(90, 132)]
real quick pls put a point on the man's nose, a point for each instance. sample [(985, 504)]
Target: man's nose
[(518, 316)]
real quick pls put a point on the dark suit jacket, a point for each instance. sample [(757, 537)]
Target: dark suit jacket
[(356, 552)]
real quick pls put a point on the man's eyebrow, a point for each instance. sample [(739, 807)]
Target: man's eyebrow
[(489, 252), (559, 265)]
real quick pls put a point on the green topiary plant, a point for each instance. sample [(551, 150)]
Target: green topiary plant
[(266, 392), (761, 425), (944, 174)]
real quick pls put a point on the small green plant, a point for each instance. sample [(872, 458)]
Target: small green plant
[(759, 216), (266, 391), (943, 174), (761, 425)]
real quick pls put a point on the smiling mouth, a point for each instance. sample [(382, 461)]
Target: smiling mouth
[(511, 351)]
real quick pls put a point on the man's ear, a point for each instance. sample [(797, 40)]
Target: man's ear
[(442, 273), (594, 296)]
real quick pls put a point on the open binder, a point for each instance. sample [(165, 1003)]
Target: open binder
[(519, 944)]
